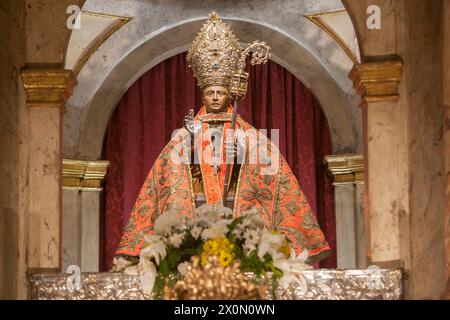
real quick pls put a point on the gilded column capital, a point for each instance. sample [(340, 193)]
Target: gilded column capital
[(84, 175), (47, 86), (345, 169), (377, 81)]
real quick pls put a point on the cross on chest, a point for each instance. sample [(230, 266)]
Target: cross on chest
[(216, 131)]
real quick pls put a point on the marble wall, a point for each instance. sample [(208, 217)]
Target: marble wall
[(376, 42), (33, 34), (420, 45), (403, 144), (11, 108), (446, 103), (46, 33)]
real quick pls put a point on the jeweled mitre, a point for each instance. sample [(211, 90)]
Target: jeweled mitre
[(217, 59)]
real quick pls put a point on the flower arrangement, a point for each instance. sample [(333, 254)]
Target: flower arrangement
[(166, 253)]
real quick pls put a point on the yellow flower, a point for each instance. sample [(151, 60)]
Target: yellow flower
[(286, 249), (220, 247)]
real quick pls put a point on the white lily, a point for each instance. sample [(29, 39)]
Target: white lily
[(271, 243), (154, 247), (292, 269), (147, 273), (120, 264), (211, 213), (166, 222), (216, 230), (132, 270), (252, 219)]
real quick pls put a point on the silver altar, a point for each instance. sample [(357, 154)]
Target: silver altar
[(320, 284)]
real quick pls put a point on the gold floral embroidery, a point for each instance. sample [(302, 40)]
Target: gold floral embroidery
[(292, 207)]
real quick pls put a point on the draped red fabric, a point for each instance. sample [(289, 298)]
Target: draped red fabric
[(156, 104)]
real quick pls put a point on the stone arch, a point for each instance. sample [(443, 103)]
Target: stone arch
[(157, 49), (92, 104)]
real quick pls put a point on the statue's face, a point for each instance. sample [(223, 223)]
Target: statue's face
[(216, 99)]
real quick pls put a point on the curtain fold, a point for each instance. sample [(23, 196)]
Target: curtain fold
[(156, 104)]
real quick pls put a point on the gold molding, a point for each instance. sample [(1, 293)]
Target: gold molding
[(100, 39), (47, 86), (316, 19), (84, 175), (345, 169), (377, 81)]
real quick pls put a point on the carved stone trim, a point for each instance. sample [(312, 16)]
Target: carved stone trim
[(317, 19), (377, 81), (47, 86), (345, 169), (100, 39), (84, 175)]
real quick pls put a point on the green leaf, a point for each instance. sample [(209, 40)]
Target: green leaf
[(158, 288), (164, 268), (238, 251), (234, 224), (190, 251), (252, 263)]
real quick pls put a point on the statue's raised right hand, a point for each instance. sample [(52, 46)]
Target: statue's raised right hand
[(189, 121)]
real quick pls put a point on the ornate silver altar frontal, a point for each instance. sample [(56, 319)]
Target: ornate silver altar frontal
[(316, 285), (346, 285), (94, 286)]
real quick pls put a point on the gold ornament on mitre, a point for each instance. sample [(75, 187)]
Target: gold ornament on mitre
[(217, 59)]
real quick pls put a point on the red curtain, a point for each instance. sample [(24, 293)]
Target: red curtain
[(156, 104)]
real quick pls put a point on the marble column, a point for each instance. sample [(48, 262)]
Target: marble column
[(90, 230), (47, 90), (82, 188), (446, 103), (377, 83), (345, 226), (360, 232), (347, 173), (71, 228)]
